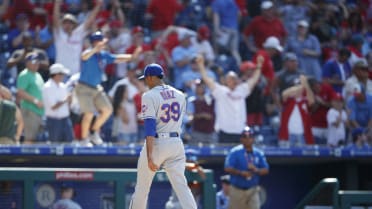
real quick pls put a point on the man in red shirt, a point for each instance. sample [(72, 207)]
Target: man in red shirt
[(271, 47), (323, 93), (263, 26)]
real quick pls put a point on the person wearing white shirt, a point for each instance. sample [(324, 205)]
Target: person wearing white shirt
[(130, 81), (56, 99), (69, 36), (336, 119), (119, 42), (230, 101), (360, 76)]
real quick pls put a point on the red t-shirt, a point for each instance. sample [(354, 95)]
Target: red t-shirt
[(163, 13), (319, 117), (261, 28), (267, 65)]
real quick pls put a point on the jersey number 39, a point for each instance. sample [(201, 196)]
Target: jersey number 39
[(170, 112)]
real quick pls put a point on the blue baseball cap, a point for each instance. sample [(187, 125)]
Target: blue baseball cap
[(96, 36), (248, 132), (152, 70)]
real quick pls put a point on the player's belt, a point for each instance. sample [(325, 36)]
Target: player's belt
[(166, 135)]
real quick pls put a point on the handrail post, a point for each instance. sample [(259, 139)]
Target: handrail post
[(324, 182)]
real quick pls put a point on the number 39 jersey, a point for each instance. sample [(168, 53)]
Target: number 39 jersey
[(166, 105)]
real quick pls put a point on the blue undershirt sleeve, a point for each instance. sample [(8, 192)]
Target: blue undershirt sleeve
[(150, 127)]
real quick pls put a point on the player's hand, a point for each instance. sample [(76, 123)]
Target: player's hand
[(152, 166)]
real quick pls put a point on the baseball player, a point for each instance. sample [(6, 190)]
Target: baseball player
[(163, 108)]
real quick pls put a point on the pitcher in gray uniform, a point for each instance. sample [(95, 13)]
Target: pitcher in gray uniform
[(162, 109)]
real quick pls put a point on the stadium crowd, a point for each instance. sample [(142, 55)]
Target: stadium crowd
[(314, 60)]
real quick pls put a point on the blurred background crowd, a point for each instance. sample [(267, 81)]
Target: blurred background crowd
[(314, 88)]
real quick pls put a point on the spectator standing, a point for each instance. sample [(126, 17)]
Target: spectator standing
[(337, 122), (130, 81), (15, 35), (290, 73), (17, 59), (120, 39), (245, 164), (30, 85), (56, 99), (295, 125), (69, 36), (307, 47), (337, 71), (230, 121), (360, 76), (226, 26), (201, 108), (222, 196), (292, 12), (182, 56), (271, 48), (254, 101), (263, 26), (89, 91), (11, 119), (125, 117), (323, 94)]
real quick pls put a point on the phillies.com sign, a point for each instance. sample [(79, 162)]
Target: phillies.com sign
[(74, 175)]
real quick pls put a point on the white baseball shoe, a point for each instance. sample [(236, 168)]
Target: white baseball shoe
[(85, 143), (96, 139)]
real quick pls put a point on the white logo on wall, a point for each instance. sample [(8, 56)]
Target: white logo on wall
[(45, 195)]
